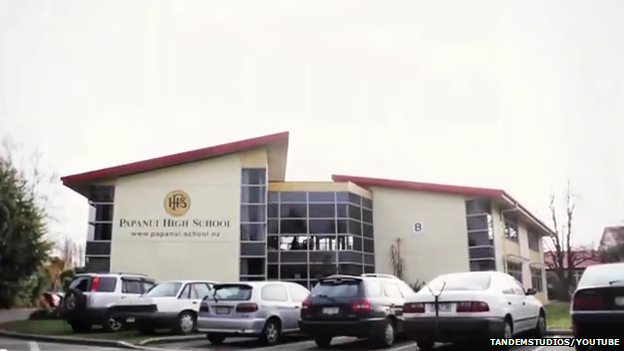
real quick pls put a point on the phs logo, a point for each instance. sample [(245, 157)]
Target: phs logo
[(177, 203)]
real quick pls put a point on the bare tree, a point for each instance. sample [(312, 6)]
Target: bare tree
[(71, 252), (396, 259), (565, 257)]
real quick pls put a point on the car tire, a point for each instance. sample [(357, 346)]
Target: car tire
[(74, 303), (272, 332), (79, 326), (425, 345), (144, 328), (186, 323), (541, 327), (111, 325), (216, 339), (323, 342), (507, 334), (386, 334)]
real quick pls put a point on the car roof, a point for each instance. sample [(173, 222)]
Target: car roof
[(189, 281), (93, 274), (260, 283)]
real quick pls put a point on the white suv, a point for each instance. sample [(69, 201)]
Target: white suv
[(472, 307)]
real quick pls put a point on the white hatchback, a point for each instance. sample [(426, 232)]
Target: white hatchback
[(472, 307)]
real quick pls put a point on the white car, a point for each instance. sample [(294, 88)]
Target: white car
[(472, 307), (173, 304)]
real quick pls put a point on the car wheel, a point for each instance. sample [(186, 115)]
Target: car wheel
[(112, 325), (323, 342), (540, 328), (187, 323), (144, 328), (216, 339), (80, 326), (425, 345), (507, 334), (272, 332), (386, 334), (74, 303)]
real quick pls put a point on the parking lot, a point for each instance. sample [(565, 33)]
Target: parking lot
[(339, 344)]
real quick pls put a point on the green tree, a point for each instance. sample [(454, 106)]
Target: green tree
[(23, 248)]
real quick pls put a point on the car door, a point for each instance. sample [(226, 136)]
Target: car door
[(275, 296), (524, 319), (514, 302), (187, 298), (297, 294), (395, 298)]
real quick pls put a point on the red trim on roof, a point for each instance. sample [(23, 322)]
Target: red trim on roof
[(587, 258), (441, 188), (175, 159)]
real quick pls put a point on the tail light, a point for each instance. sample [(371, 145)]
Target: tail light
[(361, 306), (95, 282), (305, 305), (587, 303), (204, 307), (414, 308), (472, 306), (246, 308)]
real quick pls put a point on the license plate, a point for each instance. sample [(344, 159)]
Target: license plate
[(619, 300), (130, 320), (442, 307), (331, 310), (223, 310)]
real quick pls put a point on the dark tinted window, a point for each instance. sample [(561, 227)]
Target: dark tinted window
[(274, 292), (323, 210), (349, 288), (293, 196), (273, 211), (253, 213), (293, 226), (104, 284), (603, 275), (294, 211), (367, 216), (253, 176), (477, 206), (356, 199), (80, 283), (131, 286), (232, 292), (322, 196), (253, 195), (342, 197), (322, 226), (355, 212), (461, 281)]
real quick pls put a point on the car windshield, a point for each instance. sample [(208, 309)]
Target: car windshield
[(603, 275), (164, 290), (455, 282), (340, 288), (231, 292)]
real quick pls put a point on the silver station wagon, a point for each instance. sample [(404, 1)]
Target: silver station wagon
[(266, 310)]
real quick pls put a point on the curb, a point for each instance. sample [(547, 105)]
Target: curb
[(559, 332), (70, 340), (171, 339)]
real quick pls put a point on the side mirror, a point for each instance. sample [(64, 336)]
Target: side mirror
[(530, 291)]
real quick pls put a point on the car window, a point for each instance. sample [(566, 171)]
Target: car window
[(517, 287), (131, 286), (201, 290), (344, 288), (602, 275), (103, 284), (406, 290), (164, 290), (147, 285), (373, 287), (187, 292), (231, 292), (461, 281), (297, 293), (391, 290), (80, 283), (274, 292)]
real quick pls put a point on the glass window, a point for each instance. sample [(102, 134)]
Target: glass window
[(201, 290), (273, 226), (369, 246), (367, 215), (484, 265), (131, 286), (536, 279), (355, 212), (232, 292), (345, 242), (350, 269), (461, 281), (367, 203), (102, 231), (322, 226), (355, 199), (342, 226), (253, 213), (373, 287), (341, 210), (102, 193), (511, 229), (534, 241), (252, 266), (603, 274), (186, 292), (342, 196), (318, 196), (477, 222), (480, 239), (273, 211), (252, 232), (80, 283), (368, 230), (514, 269), (273, 271), (293, 226), (253, 194), (340, 288), (298, 293), (169, 289), (392, 291), (294, 211), (273, 197), (274, 292), (323, 243), (293, 242), (322, 211), (253, 176), (273, 243), (478, 206), (355, 227), (103, 213), (293, 196), (98, 264), (294, 271), (103, 284)]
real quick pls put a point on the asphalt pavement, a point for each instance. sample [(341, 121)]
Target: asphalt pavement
[(22, 345)]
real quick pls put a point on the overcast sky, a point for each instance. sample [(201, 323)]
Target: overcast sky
[(520, 95)]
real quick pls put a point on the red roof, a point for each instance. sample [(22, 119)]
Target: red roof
[(584, 259), (76, 180), (495, 194)]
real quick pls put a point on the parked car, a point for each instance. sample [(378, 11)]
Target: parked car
[(172, 304), (368, 306), (472, 307), (88, 296), (597, 309), (266, 310)]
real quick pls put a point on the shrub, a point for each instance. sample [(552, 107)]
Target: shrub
[(44, 313), (419, 284)]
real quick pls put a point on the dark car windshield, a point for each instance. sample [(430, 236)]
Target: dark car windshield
[(603, 275), (339, 288), (231, 292), (461, 281)]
